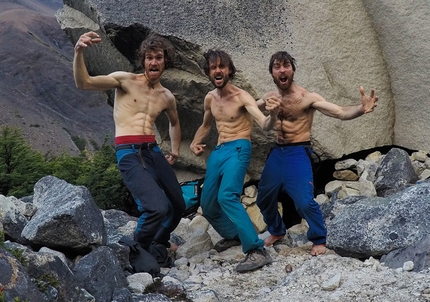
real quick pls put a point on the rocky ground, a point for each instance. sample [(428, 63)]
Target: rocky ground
[(294, 276)]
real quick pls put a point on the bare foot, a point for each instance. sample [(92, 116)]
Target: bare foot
[(318, 249), (173, 246), (271, 239)]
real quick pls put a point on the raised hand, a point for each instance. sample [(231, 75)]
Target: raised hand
[(87, 39), (368, 102)]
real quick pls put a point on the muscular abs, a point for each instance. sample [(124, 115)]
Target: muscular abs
[(294, 121), (232, 120), (134, 114)]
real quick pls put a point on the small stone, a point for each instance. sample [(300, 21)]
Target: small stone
[(288, 268), (408, 266), (332, 283)]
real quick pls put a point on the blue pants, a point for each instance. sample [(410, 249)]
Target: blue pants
[(289, 170), (220, 201), (155, 189)]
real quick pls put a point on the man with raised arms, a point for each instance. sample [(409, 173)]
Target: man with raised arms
[(139, 99), (288, 168)]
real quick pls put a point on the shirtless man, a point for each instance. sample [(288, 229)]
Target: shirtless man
[(288, 168), (139, 99), (233, 110)]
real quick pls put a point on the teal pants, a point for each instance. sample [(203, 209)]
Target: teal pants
[(225, 172)]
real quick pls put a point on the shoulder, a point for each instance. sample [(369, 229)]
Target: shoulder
[(210, 95), (123, 75), (169, 98), (244, 96), (316, 101), (312, 97), (244, 93), (168, 94)]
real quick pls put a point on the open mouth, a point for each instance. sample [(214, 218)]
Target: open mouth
[(283, 79), (219, 79)]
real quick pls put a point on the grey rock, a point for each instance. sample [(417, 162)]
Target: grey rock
[(376, 226), (67, 217), (394, 173), (12, 219), (418, 253), (100, 273), (15, 280)]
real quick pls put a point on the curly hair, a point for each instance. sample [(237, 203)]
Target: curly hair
[(157, 42), (212, 55)]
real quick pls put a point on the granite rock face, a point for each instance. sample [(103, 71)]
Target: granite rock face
[(338, 45)]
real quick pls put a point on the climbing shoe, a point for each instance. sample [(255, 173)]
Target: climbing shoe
[(254, 259), (224, 244)]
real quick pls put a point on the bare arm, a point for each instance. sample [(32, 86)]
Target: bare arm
[(80, 73), (261, 104), (174, 130), (368, 103), (202, 132), (271, 104)]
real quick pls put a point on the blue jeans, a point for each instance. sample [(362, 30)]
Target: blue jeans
[(156, 191), (220, 201), (289, 170)]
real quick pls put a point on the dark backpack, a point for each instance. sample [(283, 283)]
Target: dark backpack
[(160, 254), (192, 191), (140, 259)]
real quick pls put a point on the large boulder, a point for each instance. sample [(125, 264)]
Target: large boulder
[(339, 45), (363, 227), (67, 217)]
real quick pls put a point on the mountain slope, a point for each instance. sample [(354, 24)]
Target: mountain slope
[(37, 91)]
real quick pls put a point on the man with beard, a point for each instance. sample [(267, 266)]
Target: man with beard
[(233, 110), (288, 168), (139, 99)]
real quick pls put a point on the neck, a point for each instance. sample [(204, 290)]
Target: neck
[(151, 84), (289, 90), (226, 90)]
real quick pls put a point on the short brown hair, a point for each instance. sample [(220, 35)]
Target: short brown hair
[(157, 42)]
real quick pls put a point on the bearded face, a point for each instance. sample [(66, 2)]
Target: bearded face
[(282, 74), (154, 64), (219, 73)]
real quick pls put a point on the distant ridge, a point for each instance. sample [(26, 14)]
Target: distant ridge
[(37, 91)]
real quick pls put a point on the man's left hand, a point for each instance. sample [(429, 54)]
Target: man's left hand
[(368, 102)]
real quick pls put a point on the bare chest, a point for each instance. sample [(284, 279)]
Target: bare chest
[(292, 109), (141, 100), (227, 110)]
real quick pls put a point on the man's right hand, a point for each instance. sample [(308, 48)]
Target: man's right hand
[(273, 104), (87, 39), (198, 149)]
